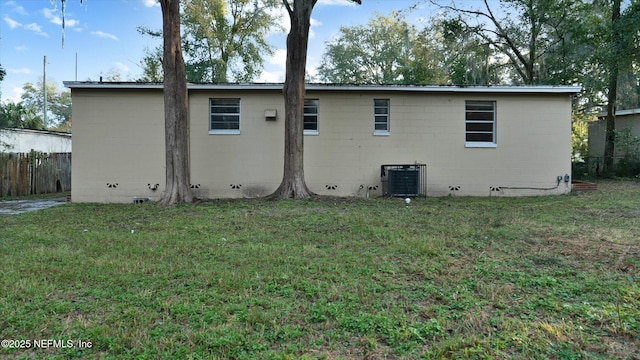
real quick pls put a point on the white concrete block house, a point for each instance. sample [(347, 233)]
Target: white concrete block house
[(359, 140)]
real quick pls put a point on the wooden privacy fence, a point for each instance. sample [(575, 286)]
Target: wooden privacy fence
[(34, 173)]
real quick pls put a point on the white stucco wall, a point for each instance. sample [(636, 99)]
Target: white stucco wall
[(25, 140)]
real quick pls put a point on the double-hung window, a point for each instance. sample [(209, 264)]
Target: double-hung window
[(224, 116), (480, 124), (381, 117), (311, 116)]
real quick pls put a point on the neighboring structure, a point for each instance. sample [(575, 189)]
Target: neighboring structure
[(26, 140), (480, 141), (625, 119)]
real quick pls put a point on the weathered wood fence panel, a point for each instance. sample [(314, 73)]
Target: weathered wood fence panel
[(34, 173)]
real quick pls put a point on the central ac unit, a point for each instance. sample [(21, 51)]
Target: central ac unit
[(404, 182)]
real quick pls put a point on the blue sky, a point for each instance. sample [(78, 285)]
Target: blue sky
[(103, 35)]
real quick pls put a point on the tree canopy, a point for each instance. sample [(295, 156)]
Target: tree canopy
[(387, 50), (222, 41), (58, 102), (27, 113), (225, 39)]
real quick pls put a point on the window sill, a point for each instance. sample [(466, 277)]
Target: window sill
[(224, 132), (381, 133), (312, 132), (486, 145)]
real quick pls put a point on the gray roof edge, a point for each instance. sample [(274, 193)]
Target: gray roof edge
[(35, 131), (621, 112), (110, 85), (539, 89), (627, 112)]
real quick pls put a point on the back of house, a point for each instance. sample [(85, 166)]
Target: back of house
[(359, 140)]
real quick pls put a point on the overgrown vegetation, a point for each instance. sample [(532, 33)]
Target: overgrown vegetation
[(538, 277), (629, 146)]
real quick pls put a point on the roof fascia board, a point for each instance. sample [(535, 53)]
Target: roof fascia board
[(329, 87), (621, 112)]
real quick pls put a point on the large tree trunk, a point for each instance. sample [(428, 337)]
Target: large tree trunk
[(293, 184), (614, 69), (176, 127)]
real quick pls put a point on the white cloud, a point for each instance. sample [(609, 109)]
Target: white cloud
[(312, 67), (15, 95), (121, 67), (16, 8), (21, 48), (36, 29), (271, 77), (20, 10), (280, 13), (151, 3), (19, 71), (105, 35), (276, 67), (314, 23), (54, 18), (12, 23), (279, 58), (71, 22)]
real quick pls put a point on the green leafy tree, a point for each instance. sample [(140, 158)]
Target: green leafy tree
[(58, 102), (376, 53), (427, 62), (111, 75), (385, 51), (151, 65), (580, 135), (20, 116), (525, 36), (224, 40), (468, 59)]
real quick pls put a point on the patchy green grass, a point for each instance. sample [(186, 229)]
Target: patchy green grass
[(477, 278)]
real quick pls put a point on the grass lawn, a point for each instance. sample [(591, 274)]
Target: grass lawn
[(535, 277)]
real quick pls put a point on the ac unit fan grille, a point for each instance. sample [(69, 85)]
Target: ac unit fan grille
[(404, 180)]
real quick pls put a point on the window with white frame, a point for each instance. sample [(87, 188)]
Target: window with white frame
[(480, 123), (311, 116), (381, 116), (224, 116)]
